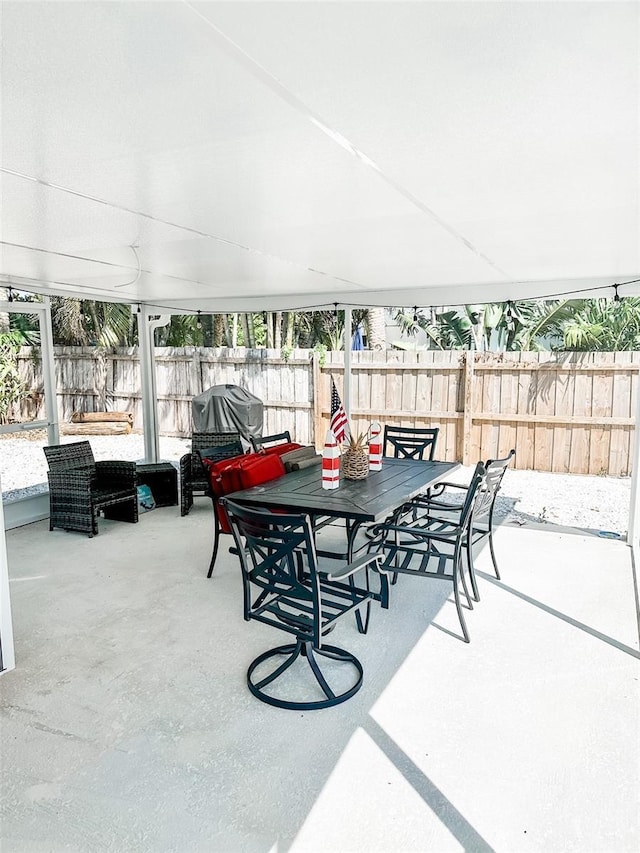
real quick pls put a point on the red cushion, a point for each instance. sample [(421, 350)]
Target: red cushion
[(241, 472), (279, 449), (215, 469), (251, 470)]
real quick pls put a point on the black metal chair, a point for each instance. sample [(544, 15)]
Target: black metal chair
[(430, 548), (80, 488), (193, 477), (443, 508), (410, 442), (407, 443), (269, 440), (284, 588)]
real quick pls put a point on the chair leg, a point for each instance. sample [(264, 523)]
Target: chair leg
[(315, 669), (465, 588), (186, 501), (493, 553), (216, 540), (396, 541), (456, 595), (362, 622), (472, 574)]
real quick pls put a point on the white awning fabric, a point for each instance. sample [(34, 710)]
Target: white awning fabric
[(241, 156)]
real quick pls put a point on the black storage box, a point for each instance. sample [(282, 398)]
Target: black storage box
[(162, 479)]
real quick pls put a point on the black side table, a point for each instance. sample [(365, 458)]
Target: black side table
[(162, 479)]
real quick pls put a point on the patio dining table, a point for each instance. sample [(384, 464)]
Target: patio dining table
[(358, 502)]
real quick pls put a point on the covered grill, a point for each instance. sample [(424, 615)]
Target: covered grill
[(228, 408)]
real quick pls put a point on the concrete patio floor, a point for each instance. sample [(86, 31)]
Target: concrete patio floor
[(127, 724)]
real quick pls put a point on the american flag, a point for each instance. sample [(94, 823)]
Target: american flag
[(339, 423)]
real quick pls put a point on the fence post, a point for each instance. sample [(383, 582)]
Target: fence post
[(317, 402), (99, 380), (110, 382), (467, 413)]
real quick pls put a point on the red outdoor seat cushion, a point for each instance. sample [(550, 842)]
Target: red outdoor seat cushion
[(251, 470), (280, 449), (241, 472)]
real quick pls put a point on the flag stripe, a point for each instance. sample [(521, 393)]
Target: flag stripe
[(339, 423)]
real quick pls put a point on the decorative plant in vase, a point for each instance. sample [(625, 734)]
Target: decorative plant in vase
[(355, 459)]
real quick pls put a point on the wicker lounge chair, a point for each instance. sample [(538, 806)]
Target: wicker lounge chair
[(80, 488)]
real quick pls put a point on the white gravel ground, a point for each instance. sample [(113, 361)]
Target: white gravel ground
[(571, 500)]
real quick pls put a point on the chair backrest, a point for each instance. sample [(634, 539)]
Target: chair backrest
[(219, 445), (270, 440), (62, 457), (271, 548), (494, 471), (472, 496), (410, 442)]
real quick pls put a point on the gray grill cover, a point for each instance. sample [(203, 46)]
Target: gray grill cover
[(228, 408)]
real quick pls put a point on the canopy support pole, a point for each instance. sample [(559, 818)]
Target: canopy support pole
[(347, 363), (633, 536), (49, 374), (147, 324), (7, 650)]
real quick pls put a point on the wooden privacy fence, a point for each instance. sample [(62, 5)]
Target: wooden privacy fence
[(568, 412), (89, 379)]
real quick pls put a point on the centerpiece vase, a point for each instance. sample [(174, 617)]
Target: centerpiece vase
[(355, 463)]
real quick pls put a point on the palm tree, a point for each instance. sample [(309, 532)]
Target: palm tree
[(375, 325), (83, 322), (604, 325), (497, 326)]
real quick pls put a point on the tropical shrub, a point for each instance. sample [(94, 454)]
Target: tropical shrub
[(12, 388)]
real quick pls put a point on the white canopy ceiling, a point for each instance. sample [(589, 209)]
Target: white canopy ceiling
[(248, 156)]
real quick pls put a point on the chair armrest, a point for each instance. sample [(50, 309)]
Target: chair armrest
[(116, 472), (439, 488), (185, 467), (426, 503), (355, 566), (77, 479), (418, 533)]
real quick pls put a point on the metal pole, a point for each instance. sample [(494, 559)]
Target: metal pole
[(347, 362), (633, 536), (7, 652), (147, 324), (49, 374)]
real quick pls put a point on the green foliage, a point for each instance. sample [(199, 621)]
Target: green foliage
[(182, 331), (87, 323), (11, 385), (259, 329), (578, 324), (604, 325), (286, 352), (520, 325), (26, 326), (321, 349)]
